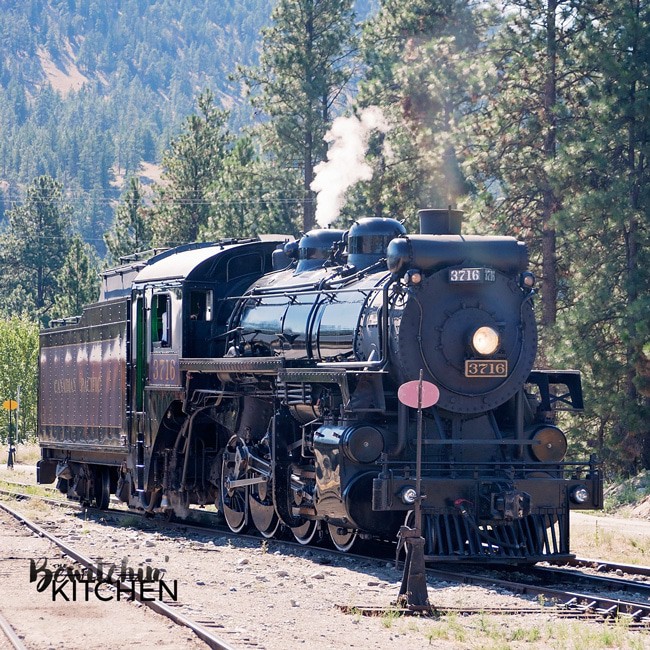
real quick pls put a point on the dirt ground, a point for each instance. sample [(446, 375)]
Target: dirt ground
[(268, 595)]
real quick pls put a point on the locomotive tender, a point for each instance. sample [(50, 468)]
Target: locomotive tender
[(262, 376)]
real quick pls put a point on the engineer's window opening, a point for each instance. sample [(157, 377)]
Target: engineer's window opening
[(161, 320), (201, 305)]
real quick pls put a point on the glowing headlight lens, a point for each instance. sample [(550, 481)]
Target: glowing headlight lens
[(485, 341)]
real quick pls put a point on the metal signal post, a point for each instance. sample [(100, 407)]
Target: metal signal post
[(413, 591)]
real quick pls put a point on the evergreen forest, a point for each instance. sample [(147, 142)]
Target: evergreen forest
[(135, 124)]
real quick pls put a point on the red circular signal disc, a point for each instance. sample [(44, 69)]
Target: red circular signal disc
[(408, 394)]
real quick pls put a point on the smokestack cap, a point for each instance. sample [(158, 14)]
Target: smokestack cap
[(440, 222)]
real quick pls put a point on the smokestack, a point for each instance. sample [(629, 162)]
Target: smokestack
[(440, 222)]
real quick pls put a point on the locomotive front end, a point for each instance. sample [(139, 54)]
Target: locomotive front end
[(495, 482), (463, 318)]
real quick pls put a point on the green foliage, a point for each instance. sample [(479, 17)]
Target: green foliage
[(532, 100), (607, 229), (131, 232), (182, 206), (78, 280), (250, 196), (18, 372), (33, 248), (421, 74), (300, 83)]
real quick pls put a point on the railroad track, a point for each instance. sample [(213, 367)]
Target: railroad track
[(201, 629), (590, 603), (11, 634), (606, 565), (572, 592)]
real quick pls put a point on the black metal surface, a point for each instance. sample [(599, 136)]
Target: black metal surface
[(435, 321), (455, 537), (430, 252)]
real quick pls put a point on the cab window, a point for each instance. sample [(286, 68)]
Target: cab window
[(201, 305), (161, 320)]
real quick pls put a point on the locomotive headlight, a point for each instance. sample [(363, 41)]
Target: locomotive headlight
[(580, 494), (527, 280), (413, 276), (485, 341)]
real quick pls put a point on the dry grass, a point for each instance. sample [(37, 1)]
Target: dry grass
[(617, 539), (28, 453)]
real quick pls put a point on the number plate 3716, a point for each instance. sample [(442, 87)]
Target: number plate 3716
[(486, 368), (469, 275)]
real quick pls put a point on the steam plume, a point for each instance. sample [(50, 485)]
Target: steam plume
[(345, 165)]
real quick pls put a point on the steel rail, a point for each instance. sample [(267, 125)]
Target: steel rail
[(607, 607), (606, 565), (598, 581), (18, 496), (204, 634), (10, 633)]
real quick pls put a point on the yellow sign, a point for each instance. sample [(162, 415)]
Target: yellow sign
[(9, 405)]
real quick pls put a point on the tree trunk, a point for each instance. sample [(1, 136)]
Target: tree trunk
[(549, 200)]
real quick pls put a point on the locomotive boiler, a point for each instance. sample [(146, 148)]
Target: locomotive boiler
[(262, 377)]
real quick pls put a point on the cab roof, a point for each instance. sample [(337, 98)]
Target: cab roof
[(192, 261)]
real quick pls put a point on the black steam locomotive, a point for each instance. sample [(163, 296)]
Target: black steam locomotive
[(262, 376)]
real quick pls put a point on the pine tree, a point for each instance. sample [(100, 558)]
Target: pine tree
[(535, 99), (251, 197), (78, 280), (233, 195), (131, 232), (421, 72), (607, 226), (299, 86), (181, 204), (34, 248)]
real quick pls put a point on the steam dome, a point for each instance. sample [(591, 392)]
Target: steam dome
[(368, 240)]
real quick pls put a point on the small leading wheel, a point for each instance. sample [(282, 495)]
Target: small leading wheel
[(234, 500), (263, 514), (102, 487), (342, 538), (306, 532)]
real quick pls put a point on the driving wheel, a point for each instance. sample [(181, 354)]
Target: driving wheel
[(305, 533), (262, 511), (234, 499)]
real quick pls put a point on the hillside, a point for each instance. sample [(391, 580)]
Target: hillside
[(90, 90)]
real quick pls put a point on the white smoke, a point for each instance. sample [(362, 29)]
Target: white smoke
[(345, 165)]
